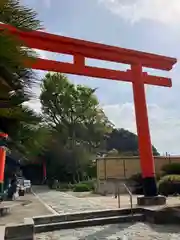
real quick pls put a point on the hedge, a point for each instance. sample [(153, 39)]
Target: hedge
[(171, 168), (169, 185), (81, 187)]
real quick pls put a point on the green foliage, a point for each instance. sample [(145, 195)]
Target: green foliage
[(12, 52), (137, 181), (171, 168), (12, 12), (73, 111), (91, 170), (169, 184), (21, 123), (77, 123), (89, 183), (81, 187)]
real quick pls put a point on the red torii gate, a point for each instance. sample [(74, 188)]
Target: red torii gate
[(80, 50)]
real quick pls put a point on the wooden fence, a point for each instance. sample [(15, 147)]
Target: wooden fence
[(125, 167)]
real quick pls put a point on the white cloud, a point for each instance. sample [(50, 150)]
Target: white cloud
[(164, 124), (164, 11)]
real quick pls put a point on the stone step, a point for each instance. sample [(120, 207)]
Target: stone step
[(88, 223), (85, 215), (176, 211)]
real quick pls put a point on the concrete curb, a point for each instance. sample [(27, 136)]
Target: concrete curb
[(85, 215), (2, 232), (88, 223), (20, 231), (46, 205)]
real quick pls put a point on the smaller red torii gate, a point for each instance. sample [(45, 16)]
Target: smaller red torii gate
[(80, 50)]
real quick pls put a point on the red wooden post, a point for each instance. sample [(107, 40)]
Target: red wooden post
[(2, 161), (145, 147)]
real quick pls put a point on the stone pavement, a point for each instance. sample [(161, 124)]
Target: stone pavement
[(64, 202), (136, 231), (28, 206), (68, 203)]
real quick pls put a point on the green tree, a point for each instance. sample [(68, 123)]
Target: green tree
[(23, 125), (77, 122), (73, 111), (125, 142), (14, 76), (14, 13), (15, 80)]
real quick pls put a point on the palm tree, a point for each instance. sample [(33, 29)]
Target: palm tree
[(12, 54), (21, 123), (15, 80)]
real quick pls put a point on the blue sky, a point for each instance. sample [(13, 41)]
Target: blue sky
[(148, 25)]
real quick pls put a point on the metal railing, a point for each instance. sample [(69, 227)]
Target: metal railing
[(129, 193)]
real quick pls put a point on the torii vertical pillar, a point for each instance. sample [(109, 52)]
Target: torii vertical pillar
[(145, 147)]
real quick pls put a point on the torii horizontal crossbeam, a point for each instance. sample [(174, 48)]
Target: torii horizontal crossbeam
[(81, 49), (43, 64)]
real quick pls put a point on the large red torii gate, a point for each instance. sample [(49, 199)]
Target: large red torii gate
[(80, 50)]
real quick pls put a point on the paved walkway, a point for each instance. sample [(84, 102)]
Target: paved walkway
[(68, 203), (137, 231), (75, 202), (27, 206)]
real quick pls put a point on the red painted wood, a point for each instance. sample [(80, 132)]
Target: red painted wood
[(145, 147)]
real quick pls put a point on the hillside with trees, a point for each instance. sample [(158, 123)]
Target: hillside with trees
[(125, 142)]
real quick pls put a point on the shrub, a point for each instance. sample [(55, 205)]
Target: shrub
[(171, 168), (81, 187), (89, 183), (169, 185), (138, 182)]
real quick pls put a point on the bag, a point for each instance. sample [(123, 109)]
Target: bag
[(15, 196)]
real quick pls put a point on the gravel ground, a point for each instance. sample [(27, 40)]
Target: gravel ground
[(137, 231)]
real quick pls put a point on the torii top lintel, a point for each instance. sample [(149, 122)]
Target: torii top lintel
[(81, 49)]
